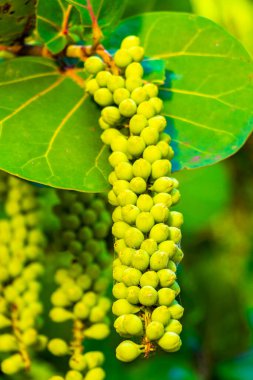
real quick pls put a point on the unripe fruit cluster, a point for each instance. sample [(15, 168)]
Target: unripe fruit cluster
[(85, 223), (22, 244), (147, 233)]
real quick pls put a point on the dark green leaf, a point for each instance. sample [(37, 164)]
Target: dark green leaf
[(17, 19), (48, 127), (51, 26), (208, 92)]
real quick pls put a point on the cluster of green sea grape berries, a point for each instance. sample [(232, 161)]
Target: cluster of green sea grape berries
[(85, 224), (147, 233), (21, 265)]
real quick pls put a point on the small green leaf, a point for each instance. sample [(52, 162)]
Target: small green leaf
[(208, 93), (48, 127), (106, 12), (52, 29)]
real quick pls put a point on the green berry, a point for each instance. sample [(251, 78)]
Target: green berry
[(137, 53), (119, 245), (161, 168), (102, 78), (161, 314), (120, 185), (119, 143), (159, 260), (58, 347), (137, 124), (95, 374), (92, 86), (130, 41), (127, 197), (162, 185), (122, 306), (151, 89), (97, 331), (119, 290), (94, 359), (133, 325), (178, 256), (133, 237), (145, 202), (112, 198), (149, 245), (176, 219), (141, 168), (164, 198), (146, 108), (73, 375), (127, 351), (157, 104), (124, 170), (160, 212), (103, 97), (111, 115), (139, 95), (129, 213), (158, 122), (78, 362), (93, 65), (175, 234), (127, 107), (118, 271), (145, 221), (149, 278), (120, 94), (115, 82), (12, 364), (135, 69), (140, 260), (176, 310), (132, 83), (8, 343), (175, 196), (81, 310), (135, 145), (133, 294), (150, 135), (138, 185), (166, 296), (152, 153), (122, 58), (174, 326), (154, 330), (119, 326), (176, 288), (131, 277), (170, 342), (109, 135), (119, 229), (164, 148), (148, 296), (166, 277), (58, 314), (112, 178), (125, 255), (160, 232)]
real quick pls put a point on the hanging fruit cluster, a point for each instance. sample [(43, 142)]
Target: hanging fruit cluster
[(146, 231)]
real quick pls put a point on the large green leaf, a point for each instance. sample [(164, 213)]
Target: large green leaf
[(208, 93), (48, 127), (51, 26), (106, 12)]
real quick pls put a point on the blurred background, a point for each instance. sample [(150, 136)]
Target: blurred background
[(216, 275)]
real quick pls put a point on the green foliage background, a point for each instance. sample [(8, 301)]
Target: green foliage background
[(216, 275)]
